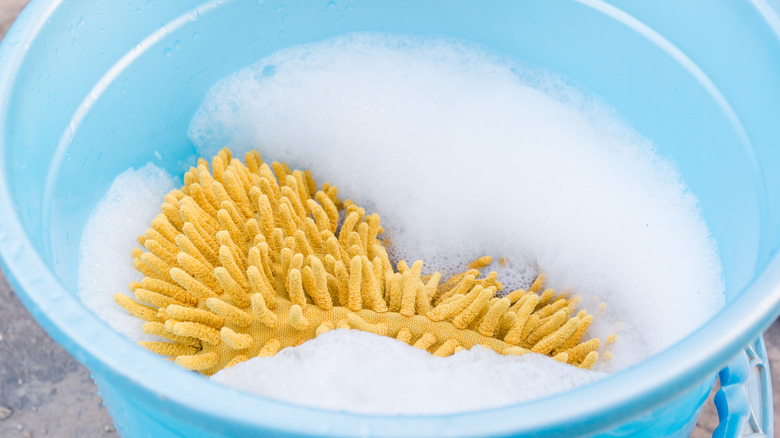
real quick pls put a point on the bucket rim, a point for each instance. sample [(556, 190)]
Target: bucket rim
[(624, 394)]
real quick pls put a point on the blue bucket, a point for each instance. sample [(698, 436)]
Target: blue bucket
[(88, 89)]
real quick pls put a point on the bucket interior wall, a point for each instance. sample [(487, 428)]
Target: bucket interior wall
[(130, 75)]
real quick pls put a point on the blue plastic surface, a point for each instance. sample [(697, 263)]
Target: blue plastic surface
[(89, 88)]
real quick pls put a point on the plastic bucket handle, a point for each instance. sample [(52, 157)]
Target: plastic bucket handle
[(744, 401)]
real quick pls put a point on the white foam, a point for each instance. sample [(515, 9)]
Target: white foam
[(105, 264), (462, 157), (365, 373), (462, 153)]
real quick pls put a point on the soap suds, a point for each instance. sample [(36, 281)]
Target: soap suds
[(365, 373), (462, 153), (461, 157), (105, 264)]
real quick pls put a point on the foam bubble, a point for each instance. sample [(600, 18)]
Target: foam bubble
[(105, 264), (365, 373), (465, 153)]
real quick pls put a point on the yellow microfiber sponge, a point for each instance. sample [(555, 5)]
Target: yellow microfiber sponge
[(246, 259)]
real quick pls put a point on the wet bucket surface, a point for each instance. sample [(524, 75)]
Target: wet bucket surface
[(88, 90)]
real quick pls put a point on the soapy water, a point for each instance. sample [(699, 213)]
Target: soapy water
[(462, 153), (104, 264), (370, 374)]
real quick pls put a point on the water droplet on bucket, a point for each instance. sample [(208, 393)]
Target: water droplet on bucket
[(177, 45), (331, 5), (279, 9), (168, 52)]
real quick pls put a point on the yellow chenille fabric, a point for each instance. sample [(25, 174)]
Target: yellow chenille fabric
[(246, 259)]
